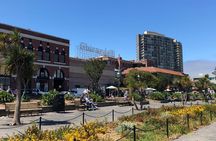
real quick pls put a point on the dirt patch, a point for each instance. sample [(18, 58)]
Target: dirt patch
[(110, 135)]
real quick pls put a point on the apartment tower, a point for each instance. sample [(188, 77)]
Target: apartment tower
[(163, 52)]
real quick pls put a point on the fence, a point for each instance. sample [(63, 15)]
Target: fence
[(133, 132), (112, 113)]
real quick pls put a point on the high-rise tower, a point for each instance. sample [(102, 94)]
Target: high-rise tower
[(163, 52)]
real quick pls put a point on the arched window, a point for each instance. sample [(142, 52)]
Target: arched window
[(22, 42), (43, 73), (62, 57), (30, 47), (47, 54), (59, 74), (40, 53), (56, 56)]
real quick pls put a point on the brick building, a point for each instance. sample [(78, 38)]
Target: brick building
[(79, 78), (51, 59)]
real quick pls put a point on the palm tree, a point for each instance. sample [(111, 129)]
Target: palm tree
[(185, 86), (138, 80), (18, 61), (203, 84)]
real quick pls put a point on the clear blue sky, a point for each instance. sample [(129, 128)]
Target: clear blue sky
[(113, 24)]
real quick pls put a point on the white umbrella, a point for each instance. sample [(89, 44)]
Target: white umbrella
[(150, 89), (111, 87), (168, 90)]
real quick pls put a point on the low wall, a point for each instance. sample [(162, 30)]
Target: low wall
[(69, 106)]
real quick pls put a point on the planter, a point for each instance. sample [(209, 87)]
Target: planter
[(109, 103), (165, 101), (2, 112), (144, 102)]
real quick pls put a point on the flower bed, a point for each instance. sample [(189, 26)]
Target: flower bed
[(162, 124), (87, 132), (179, 120)]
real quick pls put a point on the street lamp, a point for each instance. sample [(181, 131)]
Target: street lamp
[(118, 75)]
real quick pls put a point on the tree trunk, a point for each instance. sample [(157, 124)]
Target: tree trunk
[(132, 99), (16, 120)]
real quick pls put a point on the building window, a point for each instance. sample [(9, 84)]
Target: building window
[(62, 57), (59, 74), (40, 53), (30, 47), (47, 54), (43, 73), (56, 56), (22, 45), (22, 42)]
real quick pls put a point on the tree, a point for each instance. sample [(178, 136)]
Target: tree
[(18, 61), (163, 81), (94, 69), (28, 71), (185, 85), (138, 81), (203, 84)]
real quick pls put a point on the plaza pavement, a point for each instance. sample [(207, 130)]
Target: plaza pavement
[(53, 120), (206, 133)]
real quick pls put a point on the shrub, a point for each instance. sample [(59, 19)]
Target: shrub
[(177, 96), (87, 132), (69, 96), (125, 126), (6, 97), (47, 99), (195, 96), (25, 98), (96, 97), (157, 96)]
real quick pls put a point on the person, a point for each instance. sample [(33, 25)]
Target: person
[(8, 89), (88, 102), (126, 95)]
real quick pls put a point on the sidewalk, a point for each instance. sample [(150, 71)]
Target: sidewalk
[(206, 133), (53, 120)]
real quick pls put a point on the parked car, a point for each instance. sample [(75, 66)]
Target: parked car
[(77, 92), (38, 92), (65, 92)]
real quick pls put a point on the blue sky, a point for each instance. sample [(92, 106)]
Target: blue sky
[(114, 24)]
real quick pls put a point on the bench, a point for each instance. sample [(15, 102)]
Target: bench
[(79, 105), (123, 102), (26, 107)]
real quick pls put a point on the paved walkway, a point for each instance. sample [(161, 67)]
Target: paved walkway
[(53, 120), (206, 133)]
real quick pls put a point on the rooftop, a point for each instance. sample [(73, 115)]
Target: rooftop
[(154, 70), (6, 27)]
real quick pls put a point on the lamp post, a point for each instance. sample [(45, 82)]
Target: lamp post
[(119, 79)]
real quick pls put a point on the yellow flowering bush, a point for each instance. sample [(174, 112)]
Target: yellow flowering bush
[(188, 110), (87, 132)]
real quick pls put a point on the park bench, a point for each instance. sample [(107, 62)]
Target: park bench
[(25, 108), (79, 105), (122, 102)]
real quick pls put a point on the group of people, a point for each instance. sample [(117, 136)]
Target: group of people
[(120, 93), (85, 99)]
